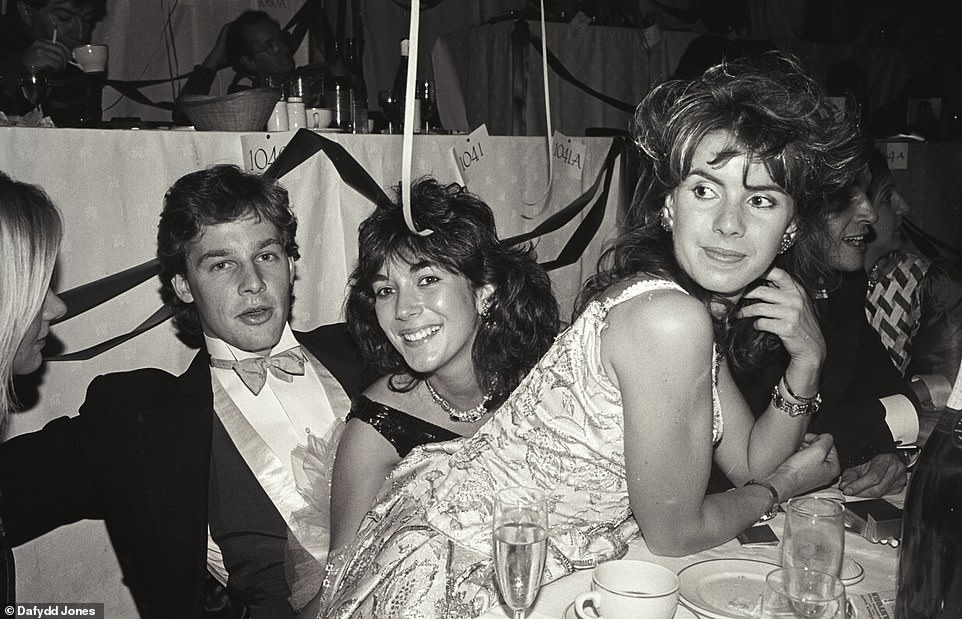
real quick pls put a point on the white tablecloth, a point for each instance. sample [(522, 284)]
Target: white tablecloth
[(109, 186), (879, 561)]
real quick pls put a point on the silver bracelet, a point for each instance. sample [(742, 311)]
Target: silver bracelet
[(792, 394), (808, 406)]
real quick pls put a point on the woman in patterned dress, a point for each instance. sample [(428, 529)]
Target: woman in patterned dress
[(620, 420)]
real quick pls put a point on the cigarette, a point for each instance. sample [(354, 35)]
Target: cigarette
[(54, 40)]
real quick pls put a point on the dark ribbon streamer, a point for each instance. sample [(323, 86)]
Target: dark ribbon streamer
[(589, 226), (158, 317), (305, 144), (88, 296), (302, 147), (555, 63), (562, 217)]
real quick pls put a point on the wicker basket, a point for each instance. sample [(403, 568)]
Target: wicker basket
[(245, 110)]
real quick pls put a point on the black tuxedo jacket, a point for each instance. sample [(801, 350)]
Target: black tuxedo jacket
[(137, 456), (857, 372)]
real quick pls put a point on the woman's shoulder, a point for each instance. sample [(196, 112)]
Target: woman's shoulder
[(663, 311)]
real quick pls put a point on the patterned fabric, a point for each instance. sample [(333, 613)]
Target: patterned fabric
[(403, 431), (424, 549), (893, 306)]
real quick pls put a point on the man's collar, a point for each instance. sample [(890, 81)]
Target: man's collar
[(219, 349)]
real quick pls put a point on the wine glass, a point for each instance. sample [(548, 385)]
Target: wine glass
[(33, 84), (814, 535), (391, 110), (798, 592), (520, 545)]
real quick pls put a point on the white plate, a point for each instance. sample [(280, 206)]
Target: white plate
[(852, 572), (680, 613), (724, 588)]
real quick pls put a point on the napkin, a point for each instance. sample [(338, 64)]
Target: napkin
[(880, 605), (33, 118)]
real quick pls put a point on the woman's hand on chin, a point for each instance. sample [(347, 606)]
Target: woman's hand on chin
[(783, 308)]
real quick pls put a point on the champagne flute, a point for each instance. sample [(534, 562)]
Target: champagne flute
[(802, 593), (520, 545), (814, 535)]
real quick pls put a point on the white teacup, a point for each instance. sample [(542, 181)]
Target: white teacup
[(626, 589), (90, 58), (319, 117)]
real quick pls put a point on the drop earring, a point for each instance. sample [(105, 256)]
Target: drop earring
[(787, 241), (665, 222)]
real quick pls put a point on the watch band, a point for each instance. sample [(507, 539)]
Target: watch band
[(768, 515)]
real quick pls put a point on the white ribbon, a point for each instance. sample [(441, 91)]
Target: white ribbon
[(407, 141)]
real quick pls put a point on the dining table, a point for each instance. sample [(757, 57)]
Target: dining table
[(872, 595)]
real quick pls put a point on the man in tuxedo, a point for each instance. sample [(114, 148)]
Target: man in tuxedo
[(223, 468)]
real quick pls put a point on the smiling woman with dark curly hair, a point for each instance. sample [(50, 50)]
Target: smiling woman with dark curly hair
[(450, 322)]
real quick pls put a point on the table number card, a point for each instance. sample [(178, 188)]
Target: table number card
[(897, 154), (470, 152), (261, 149), (569, 155)]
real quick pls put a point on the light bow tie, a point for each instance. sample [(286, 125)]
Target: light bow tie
[(253, 372)]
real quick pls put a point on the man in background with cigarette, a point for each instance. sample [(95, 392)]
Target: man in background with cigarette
[(42, 33)]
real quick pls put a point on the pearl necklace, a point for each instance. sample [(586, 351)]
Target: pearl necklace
[(469, 416)]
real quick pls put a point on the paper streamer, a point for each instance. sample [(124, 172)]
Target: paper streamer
[(547, 116), (407, 142)]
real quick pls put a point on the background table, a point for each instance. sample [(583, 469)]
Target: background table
[(109, 186)]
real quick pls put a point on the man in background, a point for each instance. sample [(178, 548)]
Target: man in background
[(254, 46), (41, 33)]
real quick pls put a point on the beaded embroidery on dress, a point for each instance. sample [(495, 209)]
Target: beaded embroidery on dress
[(424, 549)]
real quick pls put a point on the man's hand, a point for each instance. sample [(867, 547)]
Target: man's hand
[(46, 55), (883, 474), (218, 59)]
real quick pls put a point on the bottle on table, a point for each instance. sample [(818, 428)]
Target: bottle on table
[(279, 120), (359, 113), (337, 86), (400, 83), (429, 107), (296, 113), (930, 564)]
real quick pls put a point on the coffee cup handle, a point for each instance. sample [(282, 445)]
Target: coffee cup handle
[(584, 598)]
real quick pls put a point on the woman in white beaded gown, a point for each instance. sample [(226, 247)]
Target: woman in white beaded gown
[(620, 420)]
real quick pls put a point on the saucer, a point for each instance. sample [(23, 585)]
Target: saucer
[(852, 572), (680, 613), (724, 588)]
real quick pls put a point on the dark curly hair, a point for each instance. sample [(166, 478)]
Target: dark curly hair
[(776, 114), (523, 314), (215, 195)]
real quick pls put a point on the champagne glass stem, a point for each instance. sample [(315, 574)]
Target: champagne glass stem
[(519, 614)]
